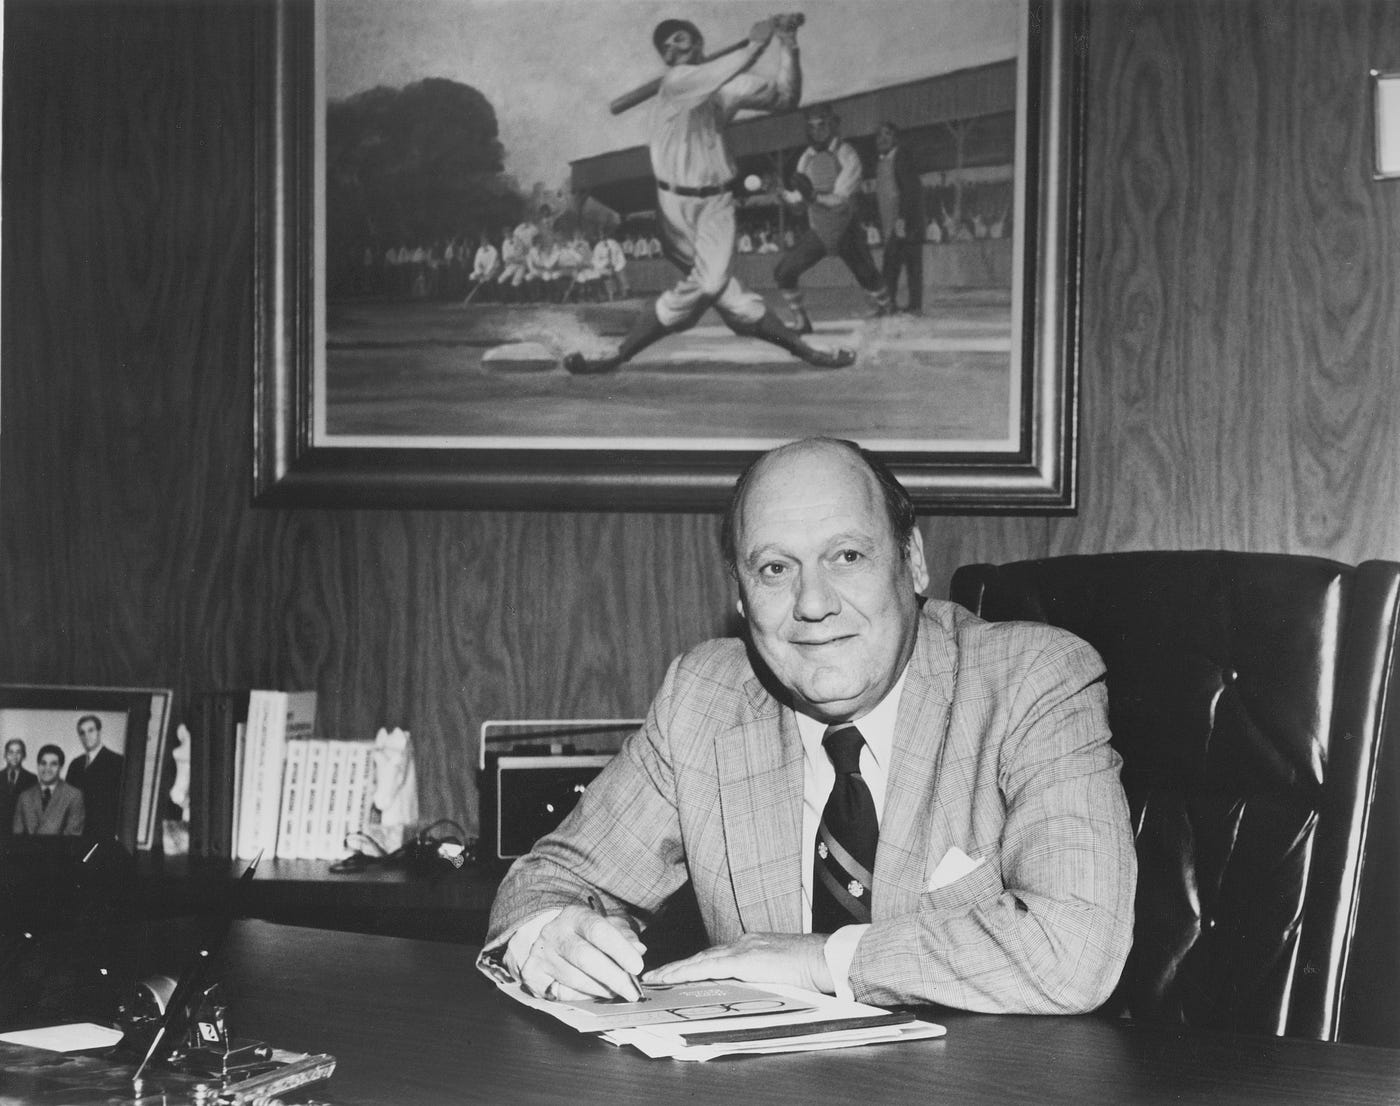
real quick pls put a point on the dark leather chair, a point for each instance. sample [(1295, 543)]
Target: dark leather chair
[(1250, 697)]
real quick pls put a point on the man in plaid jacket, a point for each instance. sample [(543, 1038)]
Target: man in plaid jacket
[(1005, 870)]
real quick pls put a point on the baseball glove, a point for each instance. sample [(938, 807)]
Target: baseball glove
[(801, 183)]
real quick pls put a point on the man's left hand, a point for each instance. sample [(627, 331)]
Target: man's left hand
[(794, 958)]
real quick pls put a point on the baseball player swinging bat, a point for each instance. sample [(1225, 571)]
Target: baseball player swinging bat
[(644, 92)]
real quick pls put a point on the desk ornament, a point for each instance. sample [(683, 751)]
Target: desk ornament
[(394, 814), (180, 1031)]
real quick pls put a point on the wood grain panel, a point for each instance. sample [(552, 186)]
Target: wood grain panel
[(1241, 271), (1241, 341)]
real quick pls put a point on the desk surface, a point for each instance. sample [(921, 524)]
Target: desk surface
[(441, 906), (413, 1022)]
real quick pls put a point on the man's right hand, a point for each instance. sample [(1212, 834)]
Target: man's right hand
[(583, 954), (786, 27)]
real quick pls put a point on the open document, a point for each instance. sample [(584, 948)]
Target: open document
[(702, 1021)]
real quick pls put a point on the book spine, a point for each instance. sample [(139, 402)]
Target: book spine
[(269, 798), (350, 820), (232, 784), (250, 776), (293, 787), (326, 848), (315, 785)]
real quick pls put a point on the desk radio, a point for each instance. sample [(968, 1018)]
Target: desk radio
[(533, 772)]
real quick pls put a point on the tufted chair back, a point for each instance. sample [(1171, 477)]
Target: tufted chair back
[(1248, 696)]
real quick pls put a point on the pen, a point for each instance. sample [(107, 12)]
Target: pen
[(597, 908)]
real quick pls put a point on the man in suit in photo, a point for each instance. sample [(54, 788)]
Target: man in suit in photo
[(98, 774), (52, 807), (978, 776), (899, 195), (15, 779)]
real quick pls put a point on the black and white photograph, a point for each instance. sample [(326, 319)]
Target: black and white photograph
[(96, 751), (700, 552), (506, 284)]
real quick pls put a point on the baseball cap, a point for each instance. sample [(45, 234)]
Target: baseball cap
[(667, 27)]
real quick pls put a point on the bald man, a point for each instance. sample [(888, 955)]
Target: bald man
[(1003, 867)]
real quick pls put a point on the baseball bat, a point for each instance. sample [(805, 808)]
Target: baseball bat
[(644, 92)]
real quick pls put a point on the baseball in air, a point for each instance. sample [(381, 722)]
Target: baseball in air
[(753, 182)]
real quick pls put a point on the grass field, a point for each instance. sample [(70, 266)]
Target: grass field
[(412, 373)]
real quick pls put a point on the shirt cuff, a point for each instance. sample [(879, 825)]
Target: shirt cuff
[(840, 950)]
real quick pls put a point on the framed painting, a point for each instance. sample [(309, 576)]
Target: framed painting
[(106, 742), (477, 288)]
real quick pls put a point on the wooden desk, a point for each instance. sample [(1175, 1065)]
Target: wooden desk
[(413, 1022), (452, 905)]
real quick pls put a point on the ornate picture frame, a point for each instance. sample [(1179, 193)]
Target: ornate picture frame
[(315, 378)]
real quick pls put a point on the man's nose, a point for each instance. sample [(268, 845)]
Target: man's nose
[(816, 598)]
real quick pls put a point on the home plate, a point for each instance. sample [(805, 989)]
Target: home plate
[(520, 357)]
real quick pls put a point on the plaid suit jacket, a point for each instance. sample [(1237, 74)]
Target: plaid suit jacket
[(1001, 750)]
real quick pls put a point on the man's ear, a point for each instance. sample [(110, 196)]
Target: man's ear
[(918, 567)]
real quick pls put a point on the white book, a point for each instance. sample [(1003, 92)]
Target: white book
[(250, 771), (301, 727), (262, 773), (240, 748), (338, 819), (359, 789), (314, 775), (272, 716), (327, 847), (293, 790)]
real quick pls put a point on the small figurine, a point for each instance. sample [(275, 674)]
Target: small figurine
[(180, 789), (394, 816)]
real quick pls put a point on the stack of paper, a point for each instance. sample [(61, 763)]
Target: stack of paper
[(700, 1021)]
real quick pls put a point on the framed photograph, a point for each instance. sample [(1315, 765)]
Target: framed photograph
[(112, 746), (477, 288)]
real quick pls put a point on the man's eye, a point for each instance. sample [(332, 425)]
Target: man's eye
[(771, 571), (847, 557)]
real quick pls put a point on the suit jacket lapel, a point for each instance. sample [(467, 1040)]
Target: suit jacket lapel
[(760, 791), (910, 827)]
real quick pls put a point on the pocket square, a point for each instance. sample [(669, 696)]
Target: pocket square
[(954, 865)]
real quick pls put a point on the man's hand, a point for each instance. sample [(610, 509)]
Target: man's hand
[(793, 958), (582, 954), (786, 27), (761, 32)]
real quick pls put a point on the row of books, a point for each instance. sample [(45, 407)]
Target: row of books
[(260, 781)]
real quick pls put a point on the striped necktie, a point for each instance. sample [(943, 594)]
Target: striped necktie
[(846, 838)]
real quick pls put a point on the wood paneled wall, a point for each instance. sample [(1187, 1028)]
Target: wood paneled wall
[(1241, 339)]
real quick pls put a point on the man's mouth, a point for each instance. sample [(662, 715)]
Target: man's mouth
[(819, 643)]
